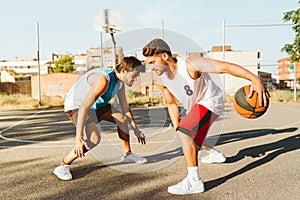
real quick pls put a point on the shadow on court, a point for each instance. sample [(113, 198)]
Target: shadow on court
[(154, 158), (30, 176), (242, 135), (277, 148), (35, 127), (286, 145)]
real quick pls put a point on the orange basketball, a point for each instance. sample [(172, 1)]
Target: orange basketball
[(248, 107)]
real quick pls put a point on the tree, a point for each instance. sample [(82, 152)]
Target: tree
[(293, 49), (64, 64)]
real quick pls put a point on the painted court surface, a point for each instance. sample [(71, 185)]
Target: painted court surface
[(263, 157)]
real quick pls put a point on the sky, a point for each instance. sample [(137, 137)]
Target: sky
[(67, 26)]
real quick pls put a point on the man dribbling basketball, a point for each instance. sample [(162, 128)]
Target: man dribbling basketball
[(187, 79)]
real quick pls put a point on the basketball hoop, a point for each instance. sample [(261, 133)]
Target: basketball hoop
[(110, 21)]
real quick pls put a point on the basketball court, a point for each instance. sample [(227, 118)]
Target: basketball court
[(262, 157)]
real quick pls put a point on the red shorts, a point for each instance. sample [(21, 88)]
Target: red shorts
[(196, 123)]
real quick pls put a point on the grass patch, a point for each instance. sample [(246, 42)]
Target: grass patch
[(144, 101), (21, 101), (284, 96), (276, 96)]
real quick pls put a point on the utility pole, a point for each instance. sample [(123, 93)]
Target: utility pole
[(38, 62), (295, 83)]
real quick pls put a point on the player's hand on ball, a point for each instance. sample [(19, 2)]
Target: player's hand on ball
[(140, 135), (79, 147), (263, 94)]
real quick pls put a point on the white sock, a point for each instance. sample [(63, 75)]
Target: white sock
[(193, 173)]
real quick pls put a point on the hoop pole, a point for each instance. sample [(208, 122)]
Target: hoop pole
[(114, 49), (101, 49)]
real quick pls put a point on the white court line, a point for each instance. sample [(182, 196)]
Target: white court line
[(68, 146), (31, 147), (15, 124), (141, 125), (60, 142), (35, 141)]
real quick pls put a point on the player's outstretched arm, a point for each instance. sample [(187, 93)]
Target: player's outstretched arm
[(200, 64), (126, 109)]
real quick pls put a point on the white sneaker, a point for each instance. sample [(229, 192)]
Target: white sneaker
[(187, 187), (133, 158), (213, 156), (63, 172)]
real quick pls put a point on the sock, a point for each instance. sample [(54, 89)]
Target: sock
[(193, 173)]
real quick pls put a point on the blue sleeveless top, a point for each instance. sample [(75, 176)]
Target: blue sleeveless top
[(112, 90), (80, 89)]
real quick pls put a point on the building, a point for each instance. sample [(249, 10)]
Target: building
[(26, 66), (26, 69), (53, 85), (96, 58), (92, 59), (286, 75), (267, 80), (248, 60), (230, 84), (80, 63)]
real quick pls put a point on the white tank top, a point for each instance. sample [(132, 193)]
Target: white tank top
[(190, 92), (80, 89)]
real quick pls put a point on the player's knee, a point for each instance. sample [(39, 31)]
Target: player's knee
[(93, 142), (91, 145), (120, 118)]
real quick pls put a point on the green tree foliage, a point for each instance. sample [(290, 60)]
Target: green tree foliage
[(64, 64), (293, 49)]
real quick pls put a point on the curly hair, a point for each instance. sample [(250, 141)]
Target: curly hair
[(128, 63), (156, 46)]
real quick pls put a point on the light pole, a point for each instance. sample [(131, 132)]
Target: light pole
[(38, 62), (295, 83)]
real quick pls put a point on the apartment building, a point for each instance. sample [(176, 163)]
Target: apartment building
[(230, 84), (286, 73), (26, 66)]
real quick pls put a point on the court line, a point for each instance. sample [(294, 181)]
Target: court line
[(64, 146), (59, 142), (32, 141), (35, 141), (107, 143), (107, 125), (15, 124)]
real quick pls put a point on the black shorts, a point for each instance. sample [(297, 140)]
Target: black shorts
[(92, 115)]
